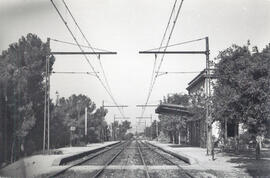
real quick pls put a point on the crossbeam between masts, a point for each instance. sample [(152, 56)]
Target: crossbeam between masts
[(173, 52), (81, 53)]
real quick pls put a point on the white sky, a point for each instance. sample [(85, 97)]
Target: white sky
[(127, 27)]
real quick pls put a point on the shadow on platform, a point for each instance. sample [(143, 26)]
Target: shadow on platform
[(247, 160)]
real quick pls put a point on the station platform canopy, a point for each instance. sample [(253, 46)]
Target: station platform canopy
[(173, 109)]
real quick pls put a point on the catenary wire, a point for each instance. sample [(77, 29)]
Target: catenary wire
[(162, 58), (92, 67), (161, 43), (88, 43), (160, 46)]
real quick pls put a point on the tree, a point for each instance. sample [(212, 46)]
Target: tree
[(151, 131), (22, 69), (71, 112), (242, 92), (124, 127), (97, 121), (120, 129)]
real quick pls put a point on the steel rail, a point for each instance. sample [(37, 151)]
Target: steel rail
[(180, 168), (100, 171), (141, 156), (87, 159)]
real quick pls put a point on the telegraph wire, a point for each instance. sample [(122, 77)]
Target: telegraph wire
[(92, 67)]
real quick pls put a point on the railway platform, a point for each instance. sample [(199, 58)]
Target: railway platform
[(41, 164), (224, 164)]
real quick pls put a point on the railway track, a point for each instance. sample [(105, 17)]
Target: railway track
[(75, 163), (168, 159), (127, 159)]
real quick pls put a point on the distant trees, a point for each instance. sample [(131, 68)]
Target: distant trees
[(153, 130), (70, 112), (242, 91), (22, 68), (120, 130)]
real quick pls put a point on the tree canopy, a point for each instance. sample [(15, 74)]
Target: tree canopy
[(22, 70), (242, 90)]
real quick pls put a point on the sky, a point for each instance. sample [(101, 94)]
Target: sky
[(127, 27)]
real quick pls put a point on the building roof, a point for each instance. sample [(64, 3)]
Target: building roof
[(200, 77), (173, 109)]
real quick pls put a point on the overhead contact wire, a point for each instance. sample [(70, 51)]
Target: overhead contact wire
[(166, 46), (160, 46), (88, 43), (92, 67)]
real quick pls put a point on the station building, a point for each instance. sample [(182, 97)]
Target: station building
[(196, 128), (196, 133)]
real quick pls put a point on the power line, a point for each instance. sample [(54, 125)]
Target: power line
[(92, 67), (162, 58), (88, 43)]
